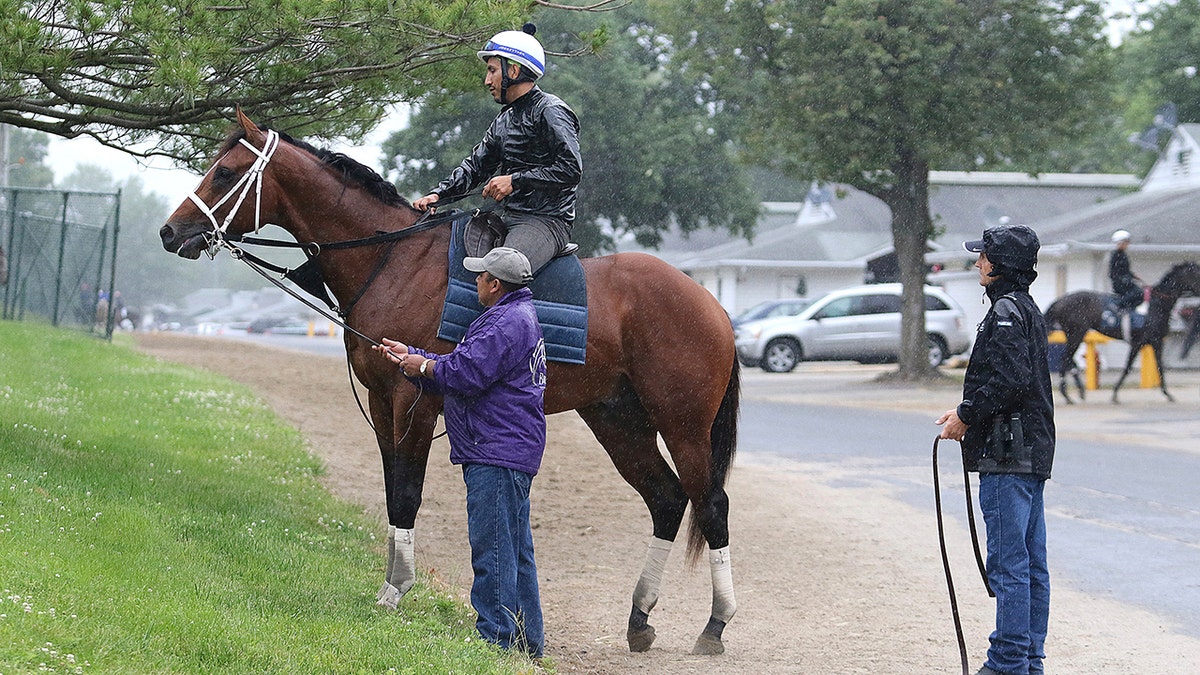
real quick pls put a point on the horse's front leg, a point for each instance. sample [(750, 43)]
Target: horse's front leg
[(404, 428), (1162, 378), (1133, 352)]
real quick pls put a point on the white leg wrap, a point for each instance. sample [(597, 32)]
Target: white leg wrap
[(724, 604), (402, 568), (645, 594)]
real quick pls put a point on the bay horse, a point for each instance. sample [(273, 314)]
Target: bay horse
[(660, 353), (1076, 313)]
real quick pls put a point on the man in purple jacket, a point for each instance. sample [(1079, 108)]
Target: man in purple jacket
[(493, 383)]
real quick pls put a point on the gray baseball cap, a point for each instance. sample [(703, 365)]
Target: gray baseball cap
[(506, 264)]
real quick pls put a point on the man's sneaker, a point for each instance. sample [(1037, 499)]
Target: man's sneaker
[(988, 671)]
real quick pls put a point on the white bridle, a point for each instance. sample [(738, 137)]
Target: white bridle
[(252, 178)]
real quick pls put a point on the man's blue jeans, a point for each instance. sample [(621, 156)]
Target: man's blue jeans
[(505, 590), (1016, 565)]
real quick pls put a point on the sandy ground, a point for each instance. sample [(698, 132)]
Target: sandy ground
[(830, 579)]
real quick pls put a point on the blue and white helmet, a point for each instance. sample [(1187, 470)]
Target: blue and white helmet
[(518, 46)]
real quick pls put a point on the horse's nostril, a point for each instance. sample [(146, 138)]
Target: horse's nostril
[(165, 232)]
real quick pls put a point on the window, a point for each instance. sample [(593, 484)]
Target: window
[(933, 304), (880, 304), (837, 308)]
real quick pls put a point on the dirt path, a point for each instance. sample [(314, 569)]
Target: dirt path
[(829, 580)]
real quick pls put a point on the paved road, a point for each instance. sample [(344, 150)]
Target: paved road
[(1123, 508)]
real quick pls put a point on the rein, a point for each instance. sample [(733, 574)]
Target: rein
[(308, 278), (937, 500)]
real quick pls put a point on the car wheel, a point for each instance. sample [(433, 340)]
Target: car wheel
[(937, 350), (781, 355)]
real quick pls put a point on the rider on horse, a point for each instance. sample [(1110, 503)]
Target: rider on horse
[(1125, 284), (529, 156)]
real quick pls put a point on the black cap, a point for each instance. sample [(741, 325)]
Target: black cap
[(1015, 246)]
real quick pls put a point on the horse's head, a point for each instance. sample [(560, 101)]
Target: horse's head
[(1182, 279), (230, 200)]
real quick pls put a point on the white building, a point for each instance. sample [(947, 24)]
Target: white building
[(839, 236)]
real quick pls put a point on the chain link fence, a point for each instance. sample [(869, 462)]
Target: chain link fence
[(59, 251)]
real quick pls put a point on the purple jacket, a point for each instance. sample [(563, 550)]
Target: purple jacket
[(493, 383)]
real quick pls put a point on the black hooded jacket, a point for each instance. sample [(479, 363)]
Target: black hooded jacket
[(536, 139), (1008, 372), (1120, 273)]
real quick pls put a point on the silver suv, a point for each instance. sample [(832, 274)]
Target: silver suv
[(854, 324)]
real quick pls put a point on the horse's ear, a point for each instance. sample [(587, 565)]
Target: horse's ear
[(252, 130)]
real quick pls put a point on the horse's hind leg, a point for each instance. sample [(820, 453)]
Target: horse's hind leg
[(1133, 352), (624, 429), (711, 513)]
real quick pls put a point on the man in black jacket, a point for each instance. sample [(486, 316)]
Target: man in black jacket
[(1006, 426), (1125, 284), (530, 154)]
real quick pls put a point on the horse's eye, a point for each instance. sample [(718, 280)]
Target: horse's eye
[(223, 177)]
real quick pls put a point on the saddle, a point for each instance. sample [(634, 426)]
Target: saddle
[(559, 292), (486, 230), (1114, 316)]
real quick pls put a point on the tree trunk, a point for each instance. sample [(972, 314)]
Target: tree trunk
[(908, 199)]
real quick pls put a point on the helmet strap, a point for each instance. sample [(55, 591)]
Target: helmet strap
[(505, 80)]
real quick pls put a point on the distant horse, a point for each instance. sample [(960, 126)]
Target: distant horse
[(660, 352), (1076, 313)]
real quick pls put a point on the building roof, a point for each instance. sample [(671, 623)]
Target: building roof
[(842, 226), (1159, 218)]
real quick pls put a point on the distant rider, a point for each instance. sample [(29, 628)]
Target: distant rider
[(1125, 284)]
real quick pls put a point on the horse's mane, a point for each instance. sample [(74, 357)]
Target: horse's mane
[(360, 174), (1186, 267)]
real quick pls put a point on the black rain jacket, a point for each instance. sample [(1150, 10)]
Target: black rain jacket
[(1120, 273), (536, 139), (1008, 372)]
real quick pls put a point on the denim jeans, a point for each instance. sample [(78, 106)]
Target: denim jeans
[(505, 590), (1013, 510)]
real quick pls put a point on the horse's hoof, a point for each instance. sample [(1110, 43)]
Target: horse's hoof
[(641, 639), (388, 596), (708, 645)]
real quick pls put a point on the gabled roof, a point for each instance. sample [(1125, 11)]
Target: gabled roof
[(1156, 218), (1178, 165), (962, 204)]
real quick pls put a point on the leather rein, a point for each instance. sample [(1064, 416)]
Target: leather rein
[(308, 276), (937, 500)]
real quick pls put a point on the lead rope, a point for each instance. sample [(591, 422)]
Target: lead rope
[(239, 254), (253, 179), (937, 501)]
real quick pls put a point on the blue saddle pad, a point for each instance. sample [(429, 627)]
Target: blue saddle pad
[(559, 295), (1110, 320)]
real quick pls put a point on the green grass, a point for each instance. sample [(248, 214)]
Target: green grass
[(157, 519)]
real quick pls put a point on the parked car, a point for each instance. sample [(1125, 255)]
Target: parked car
[(772, 308), (854, 324), (279, 325)]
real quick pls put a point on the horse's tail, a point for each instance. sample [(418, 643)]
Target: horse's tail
[(1052, 316), (724, 445)]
